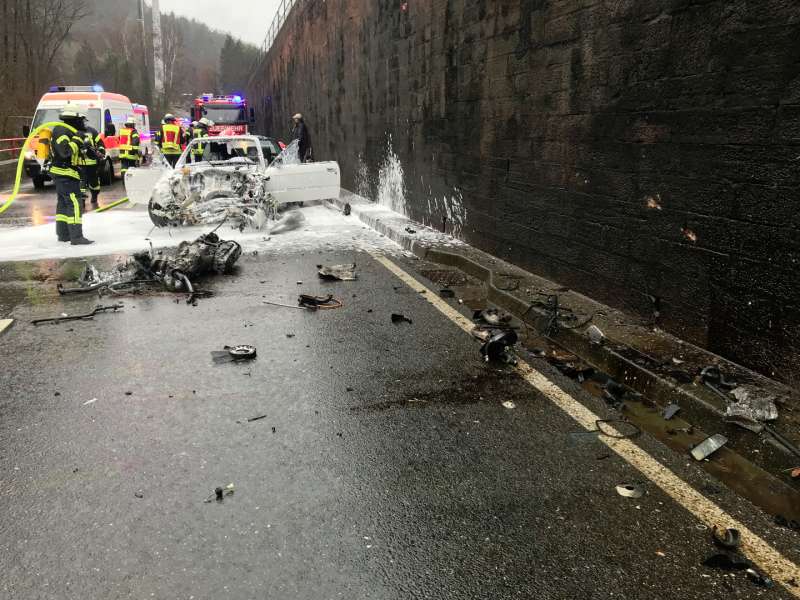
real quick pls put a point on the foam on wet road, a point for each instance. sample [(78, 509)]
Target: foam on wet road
[(127, 230)]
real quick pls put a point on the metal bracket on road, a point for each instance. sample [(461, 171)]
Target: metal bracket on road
[(86, 317)]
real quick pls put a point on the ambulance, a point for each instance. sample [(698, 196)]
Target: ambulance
[(105, 111)]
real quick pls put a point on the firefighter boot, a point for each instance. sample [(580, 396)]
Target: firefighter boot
[(62, 231), (95, 195), (76, 236)]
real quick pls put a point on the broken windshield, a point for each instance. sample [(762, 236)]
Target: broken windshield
[(240, 151)]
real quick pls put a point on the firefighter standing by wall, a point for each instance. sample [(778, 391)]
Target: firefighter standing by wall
[(129, 142), (300, 132), (66, 146), (94, 153), (169, 138)]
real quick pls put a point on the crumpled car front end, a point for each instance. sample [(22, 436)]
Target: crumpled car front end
[(232, 182), (208, 195)]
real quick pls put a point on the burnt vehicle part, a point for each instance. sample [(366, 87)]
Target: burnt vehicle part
[(233, 181), (206, 195), (172, 269)]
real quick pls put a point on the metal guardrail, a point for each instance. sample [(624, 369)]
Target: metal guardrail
[(10, 148), (284, 8), (277, 22)]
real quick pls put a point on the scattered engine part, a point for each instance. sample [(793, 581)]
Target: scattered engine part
[(172, 268), (500, 347)]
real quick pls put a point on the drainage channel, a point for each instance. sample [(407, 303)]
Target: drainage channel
[(746, 478)]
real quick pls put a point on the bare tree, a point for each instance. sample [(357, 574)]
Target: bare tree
[(47, 26), (172, 36)]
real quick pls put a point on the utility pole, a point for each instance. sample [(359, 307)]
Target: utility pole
[(147, 78), (158, 54)]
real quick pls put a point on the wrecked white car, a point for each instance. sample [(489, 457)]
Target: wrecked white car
[(241, 180)]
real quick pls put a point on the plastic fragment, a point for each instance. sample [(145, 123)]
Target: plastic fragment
[(708, 446)]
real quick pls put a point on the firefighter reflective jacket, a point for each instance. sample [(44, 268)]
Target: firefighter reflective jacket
[(199, 132), (170, 138), (95, 147), (129, 142), (66, 144)]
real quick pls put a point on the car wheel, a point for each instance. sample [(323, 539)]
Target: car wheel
[(38, 182), (158, 220)]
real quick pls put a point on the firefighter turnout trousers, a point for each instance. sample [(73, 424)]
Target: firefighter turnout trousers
[(91, 180), (128, 163), (69, 225)]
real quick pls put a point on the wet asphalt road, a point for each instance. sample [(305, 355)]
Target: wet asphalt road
[(35, 207), (384, 466)]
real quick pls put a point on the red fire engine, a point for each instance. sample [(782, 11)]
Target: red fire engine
[(230, 114)]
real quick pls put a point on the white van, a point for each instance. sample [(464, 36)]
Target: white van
[(105, 111)]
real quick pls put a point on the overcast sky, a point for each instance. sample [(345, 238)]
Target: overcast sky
[(246, 19)]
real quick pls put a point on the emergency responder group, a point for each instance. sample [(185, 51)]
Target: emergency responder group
[(78, 151)]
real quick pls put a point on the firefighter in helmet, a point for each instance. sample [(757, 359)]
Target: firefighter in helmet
[(94, 155), (67, 148), (190, 131), (129, 145), (200, 131), (170, 138)]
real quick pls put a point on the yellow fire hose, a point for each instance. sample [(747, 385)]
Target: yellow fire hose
[(110, 206), (21, 163)]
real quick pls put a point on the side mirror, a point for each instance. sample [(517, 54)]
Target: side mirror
[(110, 129), (26, 130), (252, 115)]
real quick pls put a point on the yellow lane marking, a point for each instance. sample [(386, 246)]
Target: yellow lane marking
[(780, 568)]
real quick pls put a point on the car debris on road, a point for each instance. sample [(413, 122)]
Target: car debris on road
[(337, 272), (174, 269), (708, 446), (220, 493), (84, 317), (319, 302), (234, 354), (729, 558), (630, 490), (400, 318)]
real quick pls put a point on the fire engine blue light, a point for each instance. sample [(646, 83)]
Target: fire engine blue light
[(97, 88), (237, 99)]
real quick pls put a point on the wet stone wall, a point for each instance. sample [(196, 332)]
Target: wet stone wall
[(644, 152)]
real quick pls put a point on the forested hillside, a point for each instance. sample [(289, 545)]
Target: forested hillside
[(83, 42)]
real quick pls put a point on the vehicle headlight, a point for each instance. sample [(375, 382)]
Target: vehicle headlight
[(30, 155)]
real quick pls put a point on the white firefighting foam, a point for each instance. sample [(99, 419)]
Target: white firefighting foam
[(122, 231)]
